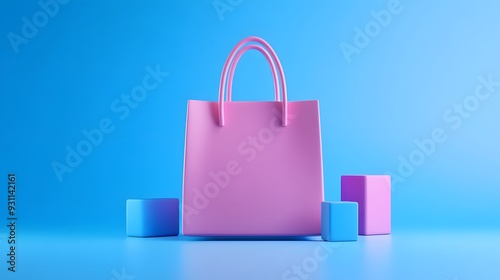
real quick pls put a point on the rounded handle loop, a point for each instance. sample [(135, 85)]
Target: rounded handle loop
[(235, 61), (230, 66)]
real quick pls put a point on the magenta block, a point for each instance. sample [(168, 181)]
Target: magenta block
[(373, 195)]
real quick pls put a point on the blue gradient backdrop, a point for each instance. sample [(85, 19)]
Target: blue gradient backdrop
[(394, 91)]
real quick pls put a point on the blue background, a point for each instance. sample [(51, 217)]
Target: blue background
[(394, 91)]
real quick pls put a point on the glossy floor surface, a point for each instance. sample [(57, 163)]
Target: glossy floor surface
[(402, 255)]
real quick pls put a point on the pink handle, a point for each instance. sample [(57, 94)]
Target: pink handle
[(235, 63), (231, 59)]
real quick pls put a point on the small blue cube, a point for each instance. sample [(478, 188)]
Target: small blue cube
[(153, 217), (339, 221)]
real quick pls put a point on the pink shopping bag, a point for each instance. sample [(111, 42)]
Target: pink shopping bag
[(252, 168)]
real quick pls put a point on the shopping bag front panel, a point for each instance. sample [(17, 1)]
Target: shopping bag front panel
[(252, 176)]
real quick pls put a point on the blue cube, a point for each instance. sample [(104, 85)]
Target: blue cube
[(152, 217), (339, 221)]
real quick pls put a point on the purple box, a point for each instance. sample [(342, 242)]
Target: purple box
[(373, 195)]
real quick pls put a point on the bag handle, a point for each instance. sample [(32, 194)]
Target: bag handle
[(269, 53), (235, 61)]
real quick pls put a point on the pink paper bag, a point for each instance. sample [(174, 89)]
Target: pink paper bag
[(252, 168)]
